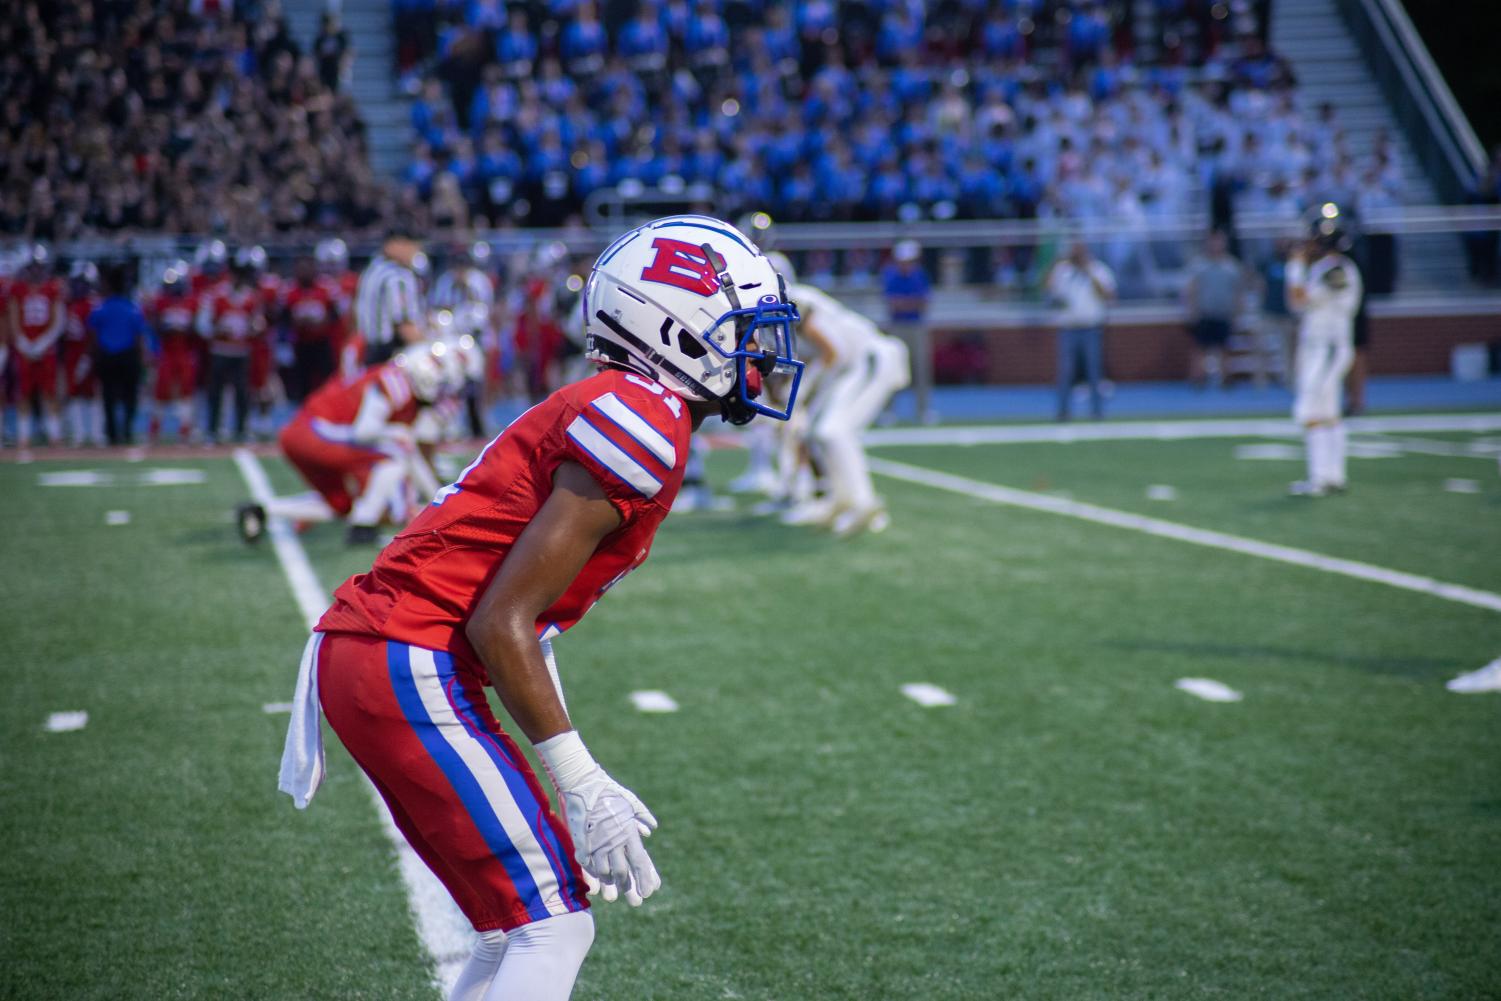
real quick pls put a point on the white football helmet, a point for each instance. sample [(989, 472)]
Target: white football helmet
[(689, 301), (434, 371), (331, 254)]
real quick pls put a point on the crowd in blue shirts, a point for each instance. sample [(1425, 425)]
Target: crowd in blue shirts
[(892, 109)]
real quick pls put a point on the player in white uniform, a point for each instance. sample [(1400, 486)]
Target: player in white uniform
[(861, 369), (467, 293), (1324, 289)]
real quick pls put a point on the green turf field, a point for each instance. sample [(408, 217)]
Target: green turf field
[(1073, 827)]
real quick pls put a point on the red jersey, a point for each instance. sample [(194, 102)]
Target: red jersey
[(234, 319), (204, 284), (36, 305), (336, 404), (76, 325), (314, 312), (270, 288), (173, 316), (632, 436)]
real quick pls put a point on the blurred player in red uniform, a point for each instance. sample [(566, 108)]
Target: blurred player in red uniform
[(7, 367), (85, 419), (231, 321), (315, 315), (334, 272), (172, 312), (210, 267), (263, 347), (539, 333), (38, 313), (357, 444), (553, 513)]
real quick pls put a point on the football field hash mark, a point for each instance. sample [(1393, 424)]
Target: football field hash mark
[(117, 517), (74, 478), (443, 930), (1010, 496), (1208, 689), (173, 477), (1162, 492), (75, 719), (927, 695), (653, 701), (1458, 486), (272, 708)]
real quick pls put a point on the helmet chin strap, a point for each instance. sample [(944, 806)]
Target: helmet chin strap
[(732, 409)]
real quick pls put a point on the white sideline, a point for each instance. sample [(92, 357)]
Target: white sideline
[(1274, 427), (444, 931), (1184, 533)]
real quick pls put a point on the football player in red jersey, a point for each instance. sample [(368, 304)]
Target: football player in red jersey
[(210, 267), (85, 420), (37, 317), (334, 272), (230, 320), (687, 320), (171, 313), (315, 315), (263, 346), (357, 444)]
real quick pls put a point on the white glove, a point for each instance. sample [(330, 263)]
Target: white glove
[(605, 819)]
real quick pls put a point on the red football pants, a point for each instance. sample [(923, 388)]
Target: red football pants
[(457, 786)]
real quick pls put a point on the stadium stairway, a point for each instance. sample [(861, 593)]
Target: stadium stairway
[(1312, 36), (373, 83)]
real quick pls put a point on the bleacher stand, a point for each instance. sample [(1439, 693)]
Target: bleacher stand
[(886, 110), (185, 116)]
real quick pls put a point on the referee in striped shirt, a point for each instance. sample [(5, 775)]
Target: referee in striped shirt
[(388, 305)]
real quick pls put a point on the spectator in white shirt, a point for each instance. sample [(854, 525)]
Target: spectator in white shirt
[(1083, 288)]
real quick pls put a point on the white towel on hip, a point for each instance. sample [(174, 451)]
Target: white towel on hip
[(302, 762)]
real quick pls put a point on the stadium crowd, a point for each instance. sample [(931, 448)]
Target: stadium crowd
[(825, 111), (184, 116)]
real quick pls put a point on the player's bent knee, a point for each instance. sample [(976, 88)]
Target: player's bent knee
[(565, 938)]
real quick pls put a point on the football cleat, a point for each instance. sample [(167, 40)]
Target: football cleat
[(1487, 679), (853, 521), (1306, 488), (819, 511), (252, 521)]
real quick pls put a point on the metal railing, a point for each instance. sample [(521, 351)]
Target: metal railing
[(1425, 107)]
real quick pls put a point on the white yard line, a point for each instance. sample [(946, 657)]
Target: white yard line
[(1439, 447), (443, 929), (1184, 533), (1274, 427)]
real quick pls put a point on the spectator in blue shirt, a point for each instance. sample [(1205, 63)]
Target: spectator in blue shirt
[(516, 46), (584, 42), (121, 337), (906, 288)]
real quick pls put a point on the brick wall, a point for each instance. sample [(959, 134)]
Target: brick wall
[(1400, 345)]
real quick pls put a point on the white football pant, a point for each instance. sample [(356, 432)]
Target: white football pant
[(847, 408), (1322, 363), (536, 962)]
